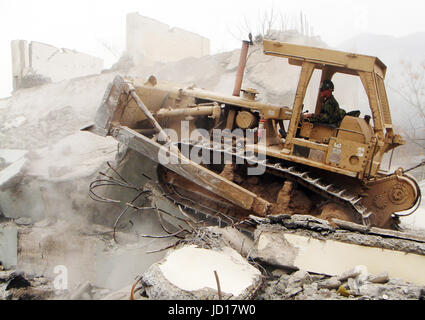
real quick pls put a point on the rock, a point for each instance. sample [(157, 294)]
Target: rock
[(271, 291), (299, 278), (188, 273), (81, 292), (17, 281), (282, 283), (406, 292), (352, 273), (290, 292), (310, 289), (390, 292), (6, 275), (363, 274), (279, 273), (331, 283), (353, 285), (23, 221), (272, 247), (370, 290), (328, 294), (236, 240), (379, 278), (317, 277)]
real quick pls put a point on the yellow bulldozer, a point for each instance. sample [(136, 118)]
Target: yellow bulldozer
[(238, 157)]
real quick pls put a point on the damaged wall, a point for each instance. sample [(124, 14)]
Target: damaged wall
[(37, 63), (150, 41)]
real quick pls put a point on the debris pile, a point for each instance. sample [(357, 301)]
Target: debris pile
[(16, 286), (254, 261), (354, 284), (191, 274)]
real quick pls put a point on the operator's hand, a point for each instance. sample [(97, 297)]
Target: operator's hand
[(307, 116)]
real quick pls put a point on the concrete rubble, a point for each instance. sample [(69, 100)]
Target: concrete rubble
[(302, 285), (245, 269)]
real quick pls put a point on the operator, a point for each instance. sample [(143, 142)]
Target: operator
[(330, 113)]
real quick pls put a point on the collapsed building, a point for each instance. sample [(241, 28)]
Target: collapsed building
[(50, 221), (37, 63), (149, 41)]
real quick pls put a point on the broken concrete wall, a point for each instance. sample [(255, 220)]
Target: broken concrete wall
[(87, 252), (53, 181), (37, 63), (150, 41), (46, 163)]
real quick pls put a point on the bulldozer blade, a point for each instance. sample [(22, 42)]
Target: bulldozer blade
[(192, 171)]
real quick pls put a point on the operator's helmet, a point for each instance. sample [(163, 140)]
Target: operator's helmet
[(326, 85)]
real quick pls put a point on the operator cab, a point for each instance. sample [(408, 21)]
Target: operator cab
[(351, 146), (330, 120)]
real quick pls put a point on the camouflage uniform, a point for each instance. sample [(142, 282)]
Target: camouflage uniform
[(331, 113)]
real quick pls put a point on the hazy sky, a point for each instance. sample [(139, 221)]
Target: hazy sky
[(92, 26)]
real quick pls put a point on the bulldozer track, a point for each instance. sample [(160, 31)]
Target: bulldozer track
[(249, 223), (295, 174), (305, 178)]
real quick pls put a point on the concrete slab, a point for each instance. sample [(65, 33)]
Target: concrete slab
[(188, 273), (333, 257), (12, 172), (9, 156), (8, 245)]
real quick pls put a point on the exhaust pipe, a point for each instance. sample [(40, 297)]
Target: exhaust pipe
[(241, 67)]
